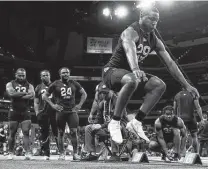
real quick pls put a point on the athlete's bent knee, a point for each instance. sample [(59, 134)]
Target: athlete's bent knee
[(159, 84), (153, 145), (133, 83)]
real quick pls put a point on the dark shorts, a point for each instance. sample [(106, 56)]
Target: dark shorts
[(167, 137), (191, 125), (112, 78), (71, 118), (19, 116)]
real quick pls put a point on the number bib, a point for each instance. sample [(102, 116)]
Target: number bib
[(142, 52), (66, 92)]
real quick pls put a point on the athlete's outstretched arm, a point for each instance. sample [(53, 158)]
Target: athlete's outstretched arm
[(12, 92), (171, 65), (183, 133), (129, 37), (159, 133), (30, 94), (173, 68)]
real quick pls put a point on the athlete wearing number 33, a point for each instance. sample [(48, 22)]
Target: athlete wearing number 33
[(123, 74), (63, 92), (20, 91)]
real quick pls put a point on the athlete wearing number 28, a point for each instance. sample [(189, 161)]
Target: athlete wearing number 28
[(20, 91), (123, 74), (46, 116), (63, 91)]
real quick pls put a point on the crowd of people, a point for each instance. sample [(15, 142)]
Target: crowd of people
[(55, 105)]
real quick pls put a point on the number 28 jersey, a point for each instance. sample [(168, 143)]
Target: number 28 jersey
[(39, 91), (64, 93), (145, 45)]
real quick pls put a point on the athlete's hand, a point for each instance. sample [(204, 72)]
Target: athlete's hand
[(57, 107), (202, 122), (194, 92), (90, 119), (140, 75), (76, 108)]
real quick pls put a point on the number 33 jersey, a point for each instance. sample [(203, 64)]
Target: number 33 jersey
[(19, 104), (64, 93), (145, 44)]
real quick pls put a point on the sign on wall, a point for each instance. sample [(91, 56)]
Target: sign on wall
[(99, 45)]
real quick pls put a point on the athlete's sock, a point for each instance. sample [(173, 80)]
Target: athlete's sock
[(140, 116), (11, 141), (26, 142), (117, 118), (74, 141)]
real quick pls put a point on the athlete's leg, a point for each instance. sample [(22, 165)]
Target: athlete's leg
[(13, 126), (192, 127), (52, 117), (90, 140), (61, 123), (176, 142), (54, 128), (73, 122), (195, 142), (43, 121), (154, 88), (129, 85), (26, 126), (120, 78), (155, 146)]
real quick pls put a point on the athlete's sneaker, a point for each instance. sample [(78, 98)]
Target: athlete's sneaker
[(115, 131), (135, 127), (10, 156), (176, 157), (76, 157), (61, 157), (46, 158), (28, 156)]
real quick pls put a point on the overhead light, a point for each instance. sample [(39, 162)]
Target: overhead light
[(145, 4), (121, 11), (106, 12)]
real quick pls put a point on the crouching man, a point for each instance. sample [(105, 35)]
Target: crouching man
[(169, 129)]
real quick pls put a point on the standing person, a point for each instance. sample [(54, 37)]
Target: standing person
[(169, 129), (63, 91), (46, 116), (203, 136), (124, 75), (20, 91), (185, 106)]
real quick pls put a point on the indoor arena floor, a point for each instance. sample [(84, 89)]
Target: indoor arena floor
[(39, 163)]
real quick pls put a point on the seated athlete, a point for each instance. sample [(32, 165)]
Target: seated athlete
[(99, 117), (169, 129)]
